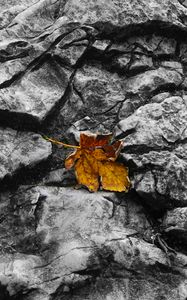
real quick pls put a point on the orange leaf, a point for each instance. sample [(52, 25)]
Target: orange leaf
[(86, 171), (93, 140), (114, 176), (71, 159), (95, 163)]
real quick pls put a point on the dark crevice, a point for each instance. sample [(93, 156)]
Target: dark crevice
[(152, 214), (26, 176), (4, 294), (177, 241), (78, 93), (62, 62), (171, 88), (110, 63), (109, 109), (5, 56), (52, 115), (120, 33), (14, 78), (91, 272), (142, 149), (39, 209), (124, 135), (19, 121), (39, 61)]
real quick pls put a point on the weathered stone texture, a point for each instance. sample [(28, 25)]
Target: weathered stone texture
[(21, 149), (68, 66)]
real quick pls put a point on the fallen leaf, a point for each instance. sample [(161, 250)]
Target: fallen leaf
[(94, 161)]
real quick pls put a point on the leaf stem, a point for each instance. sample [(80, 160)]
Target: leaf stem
[(60, 143)]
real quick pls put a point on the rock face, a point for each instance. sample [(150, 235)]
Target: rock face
[(21, 149), (99, 66), (157, 145), (62, 248)]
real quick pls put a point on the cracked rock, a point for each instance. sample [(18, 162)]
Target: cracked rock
[(151, 81), (157, 142), (51, 242), (125, 13), (102, 66), (175, 222), (37, 92), (101, 93), (21, 149)]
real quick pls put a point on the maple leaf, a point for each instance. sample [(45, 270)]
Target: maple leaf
[(94, 161)]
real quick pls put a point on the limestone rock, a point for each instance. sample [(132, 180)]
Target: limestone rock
[(156, 142), (61, 177), (71, 47), (132, 63), (151, 44), (102, 66), (175, 222), (101, 93), (125, 13), (151, 81), (55, 248), (19, 149), (155, 44), (36, 93), (10, 9)]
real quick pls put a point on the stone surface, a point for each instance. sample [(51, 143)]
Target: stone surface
[(151, 81), (175, 223), (102, 66), (101, 93), (36, 93), (60, 177), (156, 144), (10, 9), (132, 63), (122, 13), (56, 247), (155, 44), (21, 149)]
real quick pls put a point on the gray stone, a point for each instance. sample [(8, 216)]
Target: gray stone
[(157, 142), (99, 88), (156, 124), (125, 13), (86, 124), (153, 44), (36, 93), (175, 65), (53, 243), (152, 80), (141, 62), (175, 222), (72, 66), (59, 177), (101, 45), (71, 55), (101, 93), (71, 47), (160, 97), (132, 62), (183, 52), (72, 109), (9, 10), (19, 149)]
